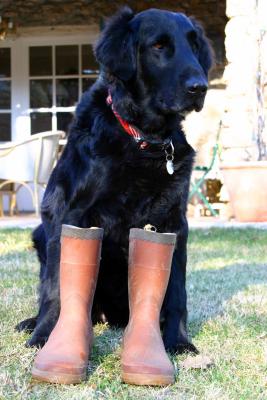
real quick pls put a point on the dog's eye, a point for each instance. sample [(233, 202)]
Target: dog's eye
[(195, 47), (158, 46), (192, 37)]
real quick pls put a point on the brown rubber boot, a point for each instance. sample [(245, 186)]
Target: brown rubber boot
[(144, 359), (64, 357)]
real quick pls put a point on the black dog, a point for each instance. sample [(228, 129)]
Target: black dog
[(154, 68)]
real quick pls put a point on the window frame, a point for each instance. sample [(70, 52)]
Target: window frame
[(20, 73), (54, 109), (7, 79)]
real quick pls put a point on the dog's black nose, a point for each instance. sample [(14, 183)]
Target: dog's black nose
[(196, 87)]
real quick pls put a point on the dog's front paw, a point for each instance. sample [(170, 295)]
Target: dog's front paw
[(180, 348), (28, 325), (36, 341)]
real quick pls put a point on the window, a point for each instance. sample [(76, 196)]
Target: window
[(5, 94), (58, 75)]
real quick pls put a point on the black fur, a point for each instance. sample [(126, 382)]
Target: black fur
[(148, 62)]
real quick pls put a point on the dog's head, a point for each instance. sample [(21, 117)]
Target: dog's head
[(162, 58)]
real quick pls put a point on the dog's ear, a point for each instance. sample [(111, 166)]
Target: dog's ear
[(115, 48), (205, 54)]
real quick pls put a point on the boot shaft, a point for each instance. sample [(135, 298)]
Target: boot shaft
[(150, 259), (79, 264)]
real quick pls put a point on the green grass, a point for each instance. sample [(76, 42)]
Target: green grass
[(227, 301)]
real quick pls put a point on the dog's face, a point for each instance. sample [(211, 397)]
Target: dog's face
[(169, 46), (160, 56)]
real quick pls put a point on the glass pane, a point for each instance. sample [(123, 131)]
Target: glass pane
[(41, 122), (67, 60), (5, 69), (5, 95), (67, 92), (40, 60), (41, 93), (87, 83), (63, 121), (89, 64), (5, 127)]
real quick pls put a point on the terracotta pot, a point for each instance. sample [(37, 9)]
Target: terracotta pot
[(246, 183)]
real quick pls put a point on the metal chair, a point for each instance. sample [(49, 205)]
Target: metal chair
[(196, 186), (29, 162)]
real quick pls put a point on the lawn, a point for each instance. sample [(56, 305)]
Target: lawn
[(227, 301)]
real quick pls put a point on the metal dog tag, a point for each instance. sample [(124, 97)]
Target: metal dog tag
[(169, 159), (169, 166)]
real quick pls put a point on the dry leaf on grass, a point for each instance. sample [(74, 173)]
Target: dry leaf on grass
[(262, 336), (197, 362)]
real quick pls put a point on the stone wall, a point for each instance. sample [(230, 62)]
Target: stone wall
[(243, 108), (69, 12)]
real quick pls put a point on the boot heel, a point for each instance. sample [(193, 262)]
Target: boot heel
[(56, 377), (147, 379)]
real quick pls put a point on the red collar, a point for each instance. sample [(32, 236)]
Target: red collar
[(165, 146), (130, 129)]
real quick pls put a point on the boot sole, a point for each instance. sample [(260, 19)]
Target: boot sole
[(53, 377), (147, 379)]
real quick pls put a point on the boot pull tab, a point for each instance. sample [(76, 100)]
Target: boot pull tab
[(150, 228)]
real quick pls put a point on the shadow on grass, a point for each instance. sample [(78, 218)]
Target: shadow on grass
[(106, 346), (209, 290)]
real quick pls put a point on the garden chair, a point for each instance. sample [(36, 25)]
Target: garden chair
[(28, 164), (196, 186)]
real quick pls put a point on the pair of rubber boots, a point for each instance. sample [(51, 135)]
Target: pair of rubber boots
[(144, 361)]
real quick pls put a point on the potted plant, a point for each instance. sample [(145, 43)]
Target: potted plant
[(246, 181)]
